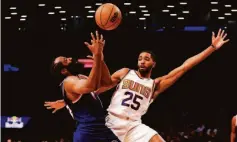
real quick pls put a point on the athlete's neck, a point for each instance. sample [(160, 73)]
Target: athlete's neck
[(144, 75)]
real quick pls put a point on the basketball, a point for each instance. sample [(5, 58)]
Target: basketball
[(108, 16)]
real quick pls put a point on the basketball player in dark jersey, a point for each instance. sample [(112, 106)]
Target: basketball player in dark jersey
[(233, 129), (85, 107)]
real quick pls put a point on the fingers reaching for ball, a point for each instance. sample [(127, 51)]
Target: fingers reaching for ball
[(99, 38), (97, 41)]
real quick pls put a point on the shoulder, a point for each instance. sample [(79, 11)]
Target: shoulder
[(81, 76), (124, 70), (70, 79), (121, 72), (73, 81), (157, 80)]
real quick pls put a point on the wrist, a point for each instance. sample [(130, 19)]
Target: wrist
[(97, 54), (213, 46), (97, 57)]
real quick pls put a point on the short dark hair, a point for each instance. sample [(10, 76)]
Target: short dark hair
[(56, 68), (153, 56)]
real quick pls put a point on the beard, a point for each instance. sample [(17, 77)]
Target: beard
[(144, 70), (75, 67)]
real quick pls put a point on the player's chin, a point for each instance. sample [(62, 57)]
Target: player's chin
[(142, 69)]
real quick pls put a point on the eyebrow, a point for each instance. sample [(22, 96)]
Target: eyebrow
[(144, 57)]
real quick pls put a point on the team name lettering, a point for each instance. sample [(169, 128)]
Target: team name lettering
[(137, 87)]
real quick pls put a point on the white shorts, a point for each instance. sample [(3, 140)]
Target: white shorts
[(128, 130)]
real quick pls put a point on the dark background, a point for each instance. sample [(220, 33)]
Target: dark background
[(205, 95)]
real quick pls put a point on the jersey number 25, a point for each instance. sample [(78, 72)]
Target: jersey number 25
[(135, 104)]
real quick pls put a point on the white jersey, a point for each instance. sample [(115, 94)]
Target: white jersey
[(132, 96)]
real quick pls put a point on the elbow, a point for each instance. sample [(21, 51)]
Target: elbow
[(185, 67)]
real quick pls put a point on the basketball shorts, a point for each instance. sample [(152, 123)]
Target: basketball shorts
[(129, 130)]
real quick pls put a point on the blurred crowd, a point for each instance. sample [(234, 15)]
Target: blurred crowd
[(199, 134)]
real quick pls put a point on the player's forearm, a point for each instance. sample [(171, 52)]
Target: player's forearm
[(95, 74), (191, 62), (105, 75), (104, 89)]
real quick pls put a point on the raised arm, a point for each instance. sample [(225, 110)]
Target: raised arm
[(84, 86), (166, 81), (105, 73), (114, 80), (233, 132), (96, 48)]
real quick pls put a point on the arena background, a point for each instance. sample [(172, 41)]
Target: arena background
[(205, 95)]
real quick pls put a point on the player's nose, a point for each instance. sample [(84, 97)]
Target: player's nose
[(142, 61)]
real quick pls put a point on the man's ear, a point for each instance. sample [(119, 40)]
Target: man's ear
[(154, 65)]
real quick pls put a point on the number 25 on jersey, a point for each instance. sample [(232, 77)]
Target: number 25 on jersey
[(135, 100)]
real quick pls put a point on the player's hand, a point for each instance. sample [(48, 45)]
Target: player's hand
[(57, 105), (97, 44), (219, 40)]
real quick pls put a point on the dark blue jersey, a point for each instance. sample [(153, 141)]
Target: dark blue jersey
[(90, 115)]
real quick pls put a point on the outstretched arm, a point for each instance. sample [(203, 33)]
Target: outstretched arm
[(115, 79), (233, 133), (166, 81)]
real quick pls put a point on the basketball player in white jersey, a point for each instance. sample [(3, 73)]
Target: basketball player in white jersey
[(233, 129), (136, 91)]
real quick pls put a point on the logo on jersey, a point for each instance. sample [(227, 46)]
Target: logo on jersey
[(137, 87)]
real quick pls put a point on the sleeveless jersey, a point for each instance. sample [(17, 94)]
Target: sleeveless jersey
[(88, 112), (132, 96)]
